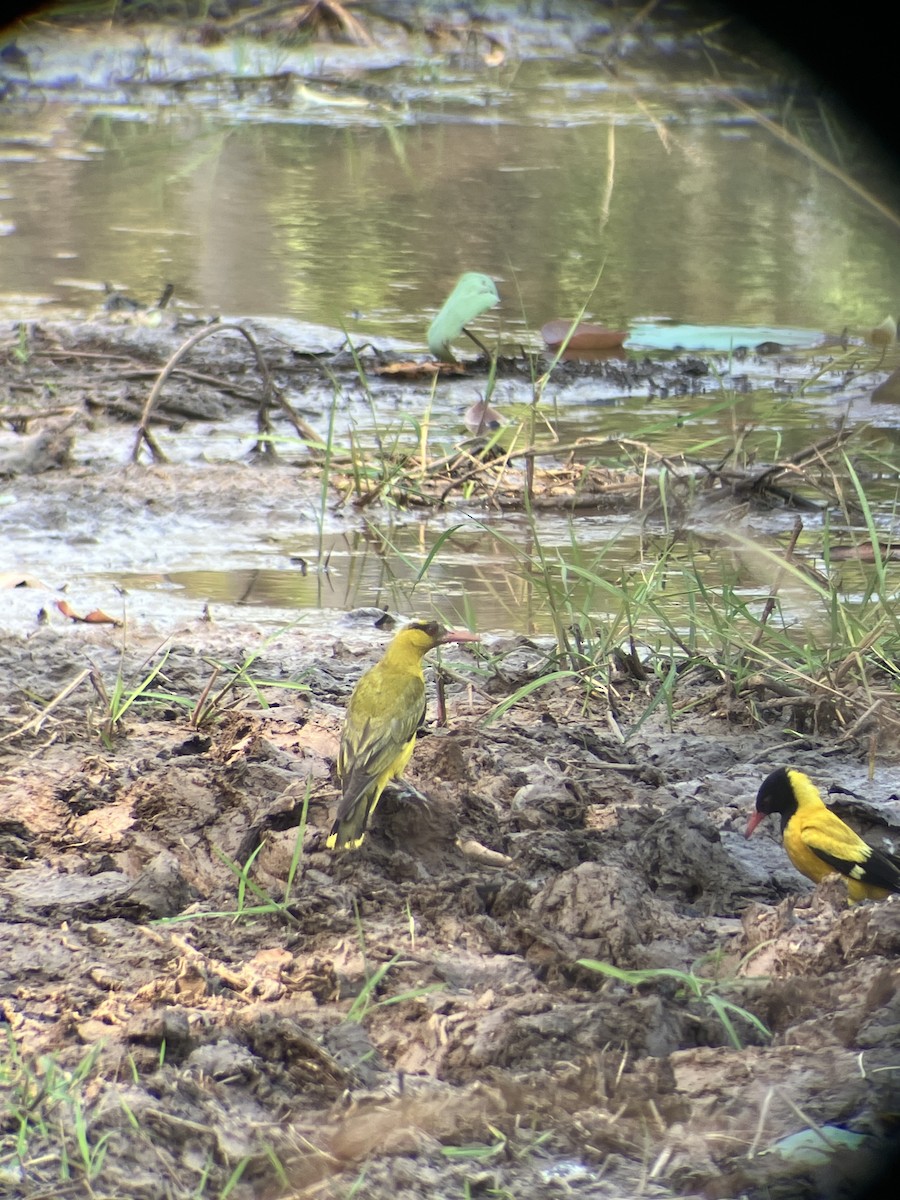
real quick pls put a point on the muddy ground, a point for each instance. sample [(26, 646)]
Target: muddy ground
[(164, 1038)]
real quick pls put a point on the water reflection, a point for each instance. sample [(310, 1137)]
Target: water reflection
[(368, 225), (567, 187)]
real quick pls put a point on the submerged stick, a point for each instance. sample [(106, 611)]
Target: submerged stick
[(769, 606)]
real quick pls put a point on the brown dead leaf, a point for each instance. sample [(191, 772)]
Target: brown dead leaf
[(94, 617), (415, 370), (97, 617)]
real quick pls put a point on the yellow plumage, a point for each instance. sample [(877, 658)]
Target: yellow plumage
[(385, 711), (818, 842)]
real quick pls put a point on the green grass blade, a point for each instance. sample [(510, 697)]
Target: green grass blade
[(522, 692)]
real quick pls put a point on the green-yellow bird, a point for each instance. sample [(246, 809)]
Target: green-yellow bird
[(385, 711), (818, 842)]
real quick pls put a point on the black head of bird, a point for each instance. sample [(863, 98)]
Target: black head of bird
[(776, 795)]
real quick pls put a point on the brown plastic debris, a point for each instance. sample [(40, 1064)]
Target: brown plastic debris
[(584, 336)]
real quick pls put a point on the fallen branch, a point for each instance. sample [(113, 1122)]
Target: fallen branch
[(270, 394), (769, 606)]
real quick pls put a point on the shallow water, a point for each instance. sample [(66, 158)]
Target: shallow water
[(359, 209), (648, 199)]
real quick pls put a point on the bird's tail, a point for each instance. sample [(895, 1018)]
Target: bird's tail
[(349, 830)]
